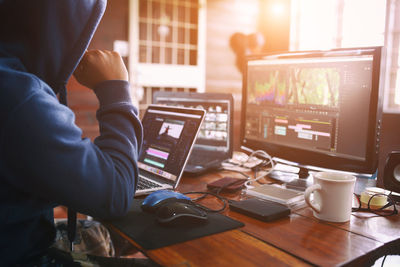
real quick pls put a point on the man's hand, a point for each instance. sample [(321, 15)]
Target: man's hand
[(98, 66)]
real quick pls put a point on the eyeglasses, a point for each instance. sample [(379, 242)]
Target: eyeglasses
[(380, 204)]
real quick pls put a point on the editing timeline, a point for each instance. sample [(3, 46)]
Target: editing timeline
[(297, 130)]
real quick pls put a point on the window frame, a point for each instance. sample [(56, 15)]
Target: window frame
[(392, 54), (145, 76)]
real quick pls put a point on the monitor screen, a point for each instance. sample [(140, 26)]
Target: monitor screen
[(314, 108), (215, 133), (168, 137)]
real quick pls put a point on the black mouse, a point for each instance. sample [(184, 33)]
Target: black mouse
[(180, 213), (158, 198)]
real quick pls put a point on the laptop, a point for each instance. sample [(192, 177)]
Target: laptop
[(215, 141), (168, 139)]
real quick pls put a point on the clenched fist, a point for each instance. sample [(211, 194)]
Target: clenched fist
[(100, 65)]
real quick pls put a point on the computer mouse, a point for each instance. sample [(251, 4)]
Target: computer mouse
[(158, 198), (181, 212)]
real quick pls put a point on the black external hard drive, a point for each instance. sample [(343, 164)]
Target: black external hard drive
[(260, 209)]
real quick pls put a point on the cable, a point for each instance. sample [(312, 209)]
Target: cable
[(205, 193), (383, 261), (240, 172), (261, 153), (237, 162), (270, 161)]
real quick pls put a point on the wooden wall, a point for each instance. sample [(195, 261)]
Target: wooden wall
[(274, 23), (224, 18)]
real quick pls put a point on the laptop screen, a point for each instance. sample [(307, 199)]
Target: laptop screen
[(169, 134), (215, 132)]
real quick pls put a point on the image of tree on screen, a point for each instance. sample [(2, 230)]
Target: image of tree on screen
[(295, 86), (170, 131), (314, 86)]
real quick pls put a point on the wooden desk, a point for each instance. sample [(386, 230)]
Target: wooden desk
[(299, 239)]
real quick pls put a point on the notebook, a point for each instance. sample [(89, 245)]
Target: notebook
[(169, 136), (215, 141)]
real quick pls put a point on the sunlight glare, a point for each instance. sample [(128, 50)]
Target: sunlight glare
[(278, 9)]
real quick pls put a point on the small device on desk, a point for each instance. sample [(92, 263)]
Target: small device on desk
[(277, 194), (294, 177), (227, 184), (260, 209)]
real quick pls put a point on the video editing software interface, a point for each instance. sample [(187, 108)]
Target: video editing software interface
[(214, 131), (167, 142), (320, 104)]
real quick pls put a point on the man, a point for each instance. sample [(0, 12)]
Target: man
[(44, 162)]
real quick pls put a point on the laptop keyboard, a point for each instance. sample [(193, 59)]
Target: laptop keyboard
[(146, 184)]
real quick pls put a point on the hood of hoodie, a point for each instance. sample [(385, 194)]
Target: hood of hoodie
[(48, 37)]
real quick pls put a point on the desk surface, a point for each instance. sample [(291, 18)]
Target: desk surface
[(299, 239)]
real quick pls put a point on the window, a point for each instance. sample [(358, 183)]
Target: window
[(331, 24), (168, 32), (392, 43), (167, 47), (337, 23)]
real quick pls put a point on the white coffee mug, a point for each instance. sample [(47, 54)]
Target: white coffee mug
[(333, 196)]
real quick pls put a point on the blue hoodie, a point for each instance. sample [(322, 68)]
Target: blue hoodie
[(44, 162)]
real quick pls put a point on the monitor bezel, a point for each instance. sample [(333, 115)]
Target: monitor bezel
[(326, 160)]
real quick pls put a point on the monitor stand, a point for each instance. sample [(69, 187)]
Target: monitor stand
[(297, 181)]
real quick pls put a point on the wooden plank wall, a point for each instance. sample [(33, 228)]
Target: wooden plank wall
[(224, 18)]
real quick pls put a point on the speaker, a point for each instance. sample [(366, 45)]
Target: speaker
[(391, 174)]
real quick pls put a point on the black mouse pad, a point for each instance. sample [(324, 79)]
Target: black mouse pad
[(145, 231)]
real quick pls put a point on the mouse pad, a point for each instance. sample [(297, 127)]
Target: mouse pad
[(145, 231)]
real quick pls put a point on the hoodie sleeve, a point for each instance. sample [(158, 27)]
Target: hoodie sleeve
[(49, 159)]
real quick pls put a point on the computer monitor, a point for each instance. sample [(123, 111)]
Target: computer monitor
[(214, 143), (314, 108), (216, 131)]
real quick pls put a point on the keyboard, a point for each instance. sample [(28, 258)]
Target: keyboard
[(146, 184)]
